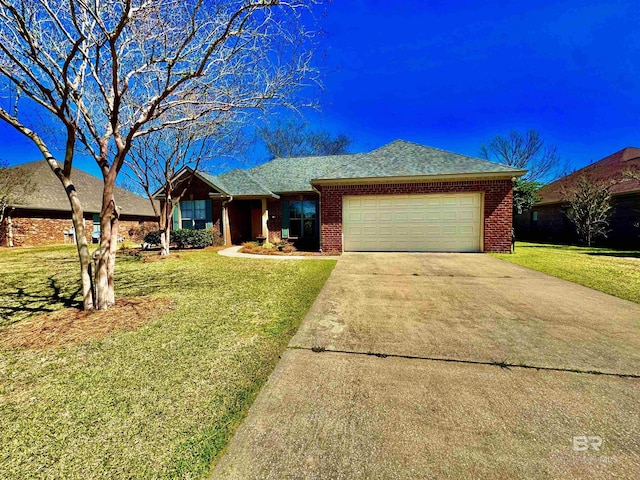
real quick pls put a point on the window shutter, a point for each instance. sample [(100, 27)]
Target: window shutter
[(209, 213), (176, 215), (285, 219)]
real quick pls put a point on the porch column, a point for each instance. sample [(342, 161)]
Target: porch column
[(225, 223), (265, 218)]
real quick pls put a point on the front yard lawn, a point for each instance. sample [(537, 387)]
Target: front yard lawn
[(615, 272), (157, 401)]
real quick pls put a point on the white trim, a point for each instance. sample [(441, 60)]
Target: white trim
[(449, 177)]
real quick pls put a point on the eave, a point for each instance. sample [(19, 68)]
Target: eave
[(448, 177)]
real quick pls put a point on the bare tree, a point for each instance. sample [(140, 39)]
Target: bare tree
[(589, 208), (109, 72), (295, 139), (158, 163), (527, 152)]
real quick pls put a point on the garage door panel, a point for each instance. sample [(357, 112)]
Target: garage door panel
[(434, 222)]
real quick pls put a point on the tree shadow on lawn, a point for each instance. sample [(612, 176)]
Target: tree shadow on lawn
[(23, 303), (620, 254)]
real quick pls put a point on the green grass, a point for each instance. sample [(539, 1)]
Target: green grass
[(614, 272), (159, 402)]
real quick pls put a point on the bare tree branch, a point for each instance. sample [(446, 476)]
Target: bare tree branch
[(527, 152), (111, 72)]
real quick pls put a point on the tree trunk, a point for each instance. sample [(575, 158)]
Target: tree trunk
[(106, 254), (165, 236), (77, 217), (165, 223), (82, 246), (10, 230)]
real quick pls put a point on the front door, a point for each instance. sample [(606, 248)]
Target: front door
[(256, 223)]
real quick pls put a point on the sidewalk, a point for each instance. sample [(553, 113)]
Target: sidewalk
[(234, 252)]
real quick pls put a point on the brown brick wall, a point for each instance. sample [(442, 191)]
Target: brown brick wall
[(498, 196), (274, 223), (40, 231)]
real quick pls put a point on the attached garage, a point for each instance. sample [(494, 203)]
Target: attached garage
[(413, 223)]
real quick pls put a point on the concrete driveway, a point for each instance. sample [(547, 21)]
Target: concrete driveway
[(449, 366)]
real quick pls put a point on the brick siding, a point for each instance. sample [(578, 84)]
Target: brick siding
[(39, 231), (498, 197)]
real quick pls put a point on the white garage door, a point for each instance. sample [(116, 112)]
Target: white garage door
[(412, 223)]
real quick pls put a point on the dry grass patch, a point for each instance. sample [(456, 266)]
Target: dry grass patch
[(71, 326), (271, 249)]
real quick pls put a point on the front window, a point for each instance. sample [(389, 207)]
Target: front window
[(194, 214), (302, 219)]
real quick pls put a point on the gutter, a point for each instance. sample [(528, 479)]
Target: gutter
[(447, 177)]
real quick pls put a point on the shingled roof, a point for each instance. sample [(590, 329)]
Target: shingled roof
[(238, 182), (610, 168), (48, 194), (396, 159)]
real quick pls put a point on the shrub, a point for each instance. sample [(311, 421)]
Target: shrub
[(191, 238), (152, 238), (288, 249), (216, 237), (200, 238)]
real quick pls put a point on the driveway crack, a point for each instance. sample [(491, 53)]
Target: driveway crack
[(502, 364)]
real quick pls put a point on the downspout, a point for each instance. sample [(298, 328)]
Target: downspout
[(225, 221), (319, 219)]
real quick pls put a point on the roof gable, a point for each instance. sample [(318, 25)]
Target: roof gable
[(610, 168)]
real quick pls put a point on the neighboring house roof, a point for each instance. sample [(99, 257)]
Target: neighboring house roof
[(47, 193), (397, 159), (610, 168)]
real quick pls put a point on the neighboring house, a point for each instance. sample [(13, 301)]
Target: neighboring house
[(44, 215), (547, 220), (400, 197)]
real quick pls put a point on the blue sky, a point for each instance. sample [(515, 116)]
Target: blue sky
[(453, 74)]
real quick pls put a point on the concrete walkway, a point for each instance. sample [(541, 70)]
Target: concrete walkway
[(234, 252), (448, 366)]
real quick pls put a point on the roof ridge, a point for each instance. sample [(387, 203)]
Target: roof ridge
[(307, 157), (399, 140)]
